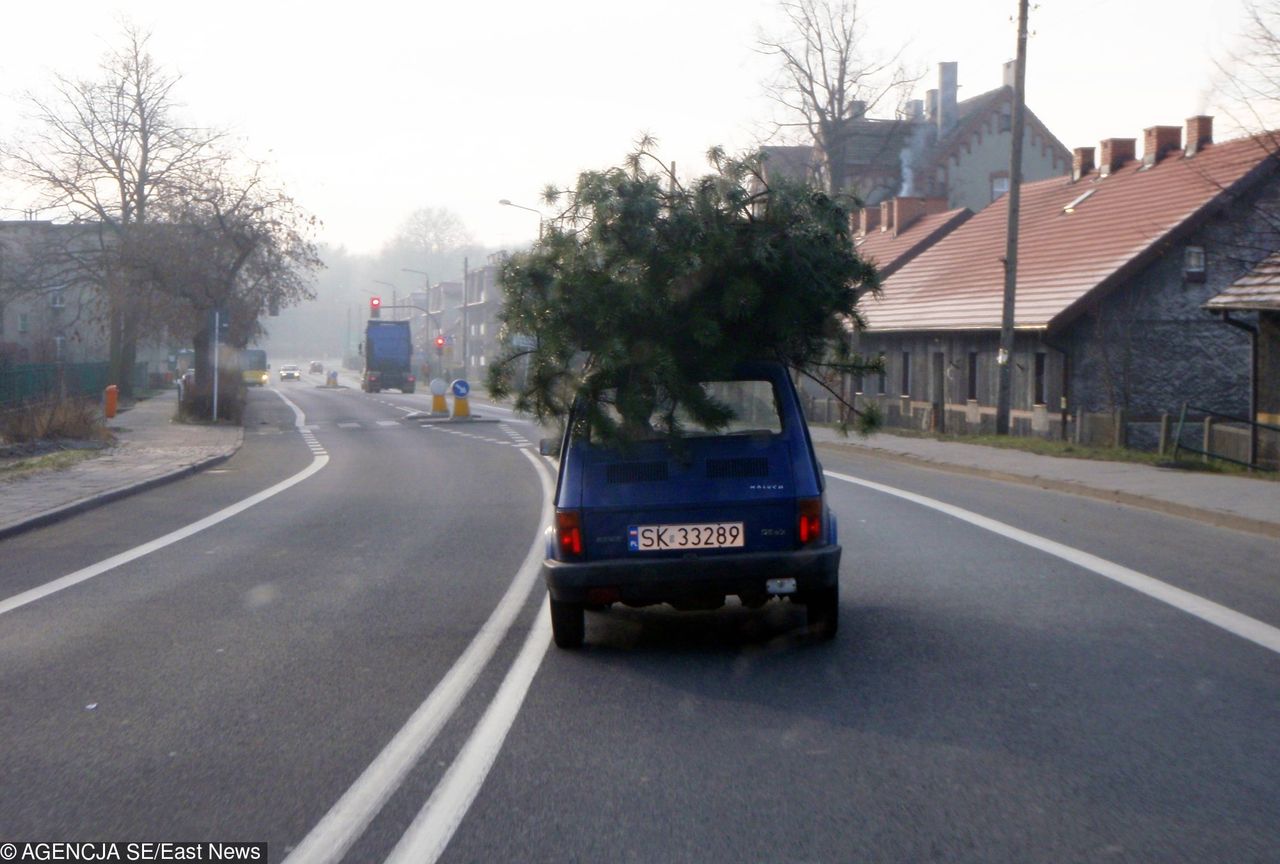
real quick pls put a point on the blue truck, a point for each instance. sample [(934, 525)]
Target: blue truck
[(388, 355)]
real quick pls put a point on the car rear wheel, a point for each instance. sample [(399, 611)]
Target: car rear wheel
[(568, 623), (822, 608)]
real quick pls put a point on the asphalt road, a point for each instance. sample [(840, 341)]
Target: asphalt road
[(267, 678)]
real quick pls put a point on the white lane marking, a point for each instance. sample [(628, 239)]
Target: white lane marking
[(440, 817), (87, 573), (348, 425), (388, 422), (1230, 620), (333, 835)]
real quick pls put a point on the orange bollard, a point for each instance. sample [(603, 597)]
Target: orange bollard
[(109, 400)]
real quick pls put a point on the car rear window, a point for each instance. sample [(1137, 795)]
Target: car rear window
[(753, 402)]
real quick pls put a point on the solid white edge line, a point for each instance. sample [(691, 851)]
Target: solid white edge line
[(1206, 610), (338, 829), (84, 574), (439, 818)]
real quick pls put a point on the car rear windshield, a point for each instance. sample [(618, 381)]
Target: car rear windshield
[(753, 403)]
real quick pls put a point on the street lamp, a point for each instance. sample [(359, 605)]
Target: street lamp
[(506, 203)]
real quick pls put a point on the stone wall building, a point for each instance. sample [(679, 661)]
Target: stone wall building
[(1116, 264)]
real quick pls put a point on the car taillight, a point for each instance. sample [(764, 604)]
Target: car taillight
[(809, 520), (410, 379), (569, 533)]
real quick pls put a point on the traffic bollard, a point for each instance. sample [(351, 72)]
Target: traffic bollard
[(110, 398)]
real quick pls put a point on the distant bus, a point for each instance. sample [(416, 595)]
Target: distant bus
[(254, 366)]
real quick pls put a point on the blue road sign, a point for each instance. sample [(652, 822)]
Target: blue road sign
[(461, 388)]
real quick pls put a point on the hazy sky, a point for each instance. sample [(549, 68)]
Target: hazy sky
[(371, 110)]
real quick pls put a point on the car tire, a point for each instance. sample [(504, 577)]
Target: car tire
[(822, 608), (568, 623)]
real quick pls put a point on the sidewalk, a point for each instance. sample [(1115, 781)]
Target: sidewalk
[(151, 450), (1229, 501)]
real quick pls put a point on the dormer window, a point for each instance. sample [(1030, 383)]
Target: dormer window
[(1193, 264), (56, 299)]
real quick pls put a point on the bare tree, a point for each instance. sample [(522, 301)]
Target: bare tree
[(1248, 79), (108, 150), (828, 78), (430, 231), (235, 243)]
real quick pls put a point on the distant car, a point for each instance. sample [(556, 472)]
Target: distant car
[(733, 510), (316, 367), (289, 372)]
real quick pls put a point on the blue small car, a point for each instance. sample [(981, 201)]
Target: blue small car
[(738, 510)]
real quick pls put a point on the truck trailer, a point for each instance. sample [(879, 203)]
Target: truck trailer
[(388, 354)]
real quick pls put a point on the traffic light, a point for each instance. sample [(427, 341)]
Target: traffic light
[(440, 346), (375, 306)]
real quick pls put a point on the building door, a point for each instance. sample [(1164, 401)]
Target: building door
[(938, 389)]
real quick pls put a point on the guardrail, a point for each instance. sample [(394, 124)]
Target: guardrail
[(1238, 440)]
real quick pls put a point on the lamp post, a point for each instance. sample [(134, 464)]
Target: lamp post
[(436, 318), (506, 203)]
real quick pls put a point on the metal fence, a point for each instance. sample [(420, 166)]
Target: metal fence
[(1214, 435), (38, 382)]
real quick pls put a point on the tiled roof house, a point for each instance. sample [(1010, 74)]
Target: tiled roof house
[(1257, 295), (1116, 263)]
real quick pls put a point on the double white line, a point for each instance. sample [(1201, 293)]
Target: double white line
[(430, 832)]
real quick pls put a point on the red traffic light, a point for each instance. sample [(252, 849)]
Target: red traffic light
[(375, 302), (439, 341)]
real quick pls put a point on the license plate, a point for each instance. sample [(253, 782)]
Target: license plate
[(707, 535)]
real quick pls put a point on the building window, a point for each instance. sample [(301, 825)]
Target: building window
[(23, 323), (906, 373), (972, 392), (1193, 264), (884, 377), (482, 333), (59, 346), (1039, 395), (999, 185), (481, 359), (1006, 121), (857, 383), (56, 299)]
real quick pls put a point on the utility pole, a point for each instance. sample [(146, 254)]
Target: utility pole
[(464, 318), (1005, 357)]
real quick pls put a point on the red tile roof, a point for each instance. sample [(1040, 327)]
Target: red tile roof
[(958, 283), (890, 251), (1258, 289)]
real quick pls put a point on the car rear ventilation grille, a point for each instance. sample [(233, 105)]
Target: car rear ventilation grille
[(636, 472), (754, 466)]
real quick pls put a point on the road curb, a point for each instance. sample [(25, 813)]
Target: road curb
[(1215, 518), (49, 517)]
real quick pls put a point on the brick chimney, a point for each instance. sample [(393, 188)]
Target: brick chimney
[(1199, 133), (909, 209), (870, 219), (1009, 72), (931, 106), (886, 216), (1081, 162), (1158, 141), (1115, 152)]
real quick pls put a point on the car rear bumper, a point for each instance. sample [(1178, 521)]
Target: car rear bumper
[(656, 580)]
